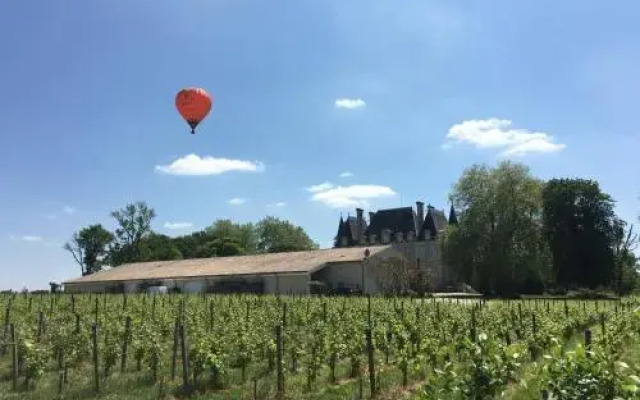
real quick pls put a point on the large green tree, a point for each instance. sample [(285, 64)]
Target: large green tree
[(497, 246), (157, 247), (89, 247), (582, 229), (134, 224), (244, 235), (626, 273), (276, 235)]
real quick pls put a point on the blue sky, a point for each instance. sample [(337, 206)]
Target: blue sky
[(403, 95)]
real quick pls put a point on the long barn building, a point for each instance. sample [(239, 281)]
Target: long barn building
[(403, 246), (275, 273)]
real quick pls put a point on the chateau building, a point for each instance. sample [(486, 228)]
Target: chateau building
[(412, 232)]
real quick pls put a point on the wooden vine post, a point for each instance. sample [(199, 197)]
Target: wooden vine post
[(587, 340), (96, 371), (60, 371), (279, 362), (7, 313), (602, 326), (372, 371), (185, 358), (125, 343), (14, 356), (174, 354), (40, 325)]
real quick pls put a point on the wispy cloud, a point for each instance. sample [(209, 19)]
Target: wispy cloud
[(349, 104), (178, 225), (496, 133), (194, 165), (27, 238), (236, 201), (65, 210), (278, 204), (320, 187), (36, 239), (346, 174), (348, 196)]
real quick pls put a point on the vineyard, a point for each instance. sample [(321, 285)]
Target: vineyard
[(267, 347)]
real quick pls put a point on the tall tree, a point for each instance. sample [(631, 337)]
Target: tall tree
[(276, 235), (497, 244), (581, 227), (625, 242), (244, 235), (157, 247), (89, 248), (134, 224)]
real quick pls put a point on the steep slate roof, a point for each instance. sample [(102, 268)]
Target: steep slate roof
[(347, 228), (400, 219), (341, 229), (260, 264), (353, 224), (453, 217), (434, 222)]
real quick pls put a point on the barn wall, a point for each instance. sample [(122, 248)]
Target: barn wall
[(131, 287), (349, 275), (293, 284), (270, 284), (86, 288)]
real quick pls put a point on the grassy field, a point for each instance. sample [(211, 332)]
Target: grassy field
[(131, 347)]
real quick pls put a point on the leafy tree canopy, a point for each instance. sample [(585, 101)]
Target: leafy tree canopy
[(497, 245), (276, 235), (89, 247), (582, 229)]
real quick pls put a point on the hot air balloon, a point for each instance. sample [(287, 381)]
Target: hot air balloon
[(194, 105)]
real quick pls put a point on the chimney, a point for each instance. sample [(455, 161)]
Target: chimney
[(371, 214), (359, 224), (420, 211)]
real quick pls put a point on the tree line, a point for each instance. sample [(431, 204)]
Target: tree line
[(515, 234), (94, 247), (519, 234)]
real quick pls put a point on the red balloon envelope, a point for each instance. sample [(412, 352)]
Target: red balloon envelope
[(194, 105)]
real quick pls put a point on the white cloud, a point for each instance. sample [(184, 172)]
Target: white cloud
[(278, 204), (34, 239), (346, 174), (31, 238), (321, 187), (51, 217), (195, 165), (236, 201), (496, 133), (350, 104), (68, 210), (178, 225), (348, 196)]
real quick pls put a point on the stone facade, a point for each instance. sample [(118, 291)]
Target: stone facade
[(412, 233)]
